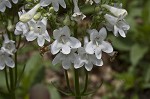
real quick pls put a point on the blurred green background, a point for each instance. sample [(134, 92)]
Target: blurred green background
[(126, 77)]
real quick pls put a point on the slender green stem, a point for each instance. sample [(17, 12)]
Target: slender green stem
[(77, 85), (16, 72), (67, 80), (86, 82), (6, 78), (12, 86)]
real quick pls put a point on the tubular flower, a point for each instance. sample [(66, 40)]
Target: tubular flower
[(38, 30), (30, 14), (118, 26), (87, 60), (8, 45), (78, 15), (118, 12), (55, 3), (65, 59), (97, 43), (21, 28), (63, 41)]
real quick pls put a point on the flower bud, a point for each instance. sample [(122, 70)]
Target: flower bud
[(67, 20), (10, 27), (118, 12), (37, 16), (30, 14), (51, 10), (97, 9)]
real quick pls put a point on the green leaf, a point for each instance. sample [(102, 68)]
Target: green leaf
[(128, 78), (3, 86), (33, 66), (120, 43), (147, 75), (137, 53), (54, 92)]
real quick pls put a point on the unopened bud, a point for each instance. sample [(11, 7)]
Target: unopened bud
[(37, 16), (30, 14), (10, 27), (67, 20), (51, 10)]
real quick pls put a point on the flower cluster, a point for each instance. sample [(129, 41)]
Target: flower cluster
[(67, 46), (32, 29), (116, 21), (6, 52)]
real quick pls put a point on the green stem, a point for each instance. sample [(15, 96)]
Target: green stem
[(12, 86), (86, 82), (6, 78), (77, 85), (67, 80), (16, 73)]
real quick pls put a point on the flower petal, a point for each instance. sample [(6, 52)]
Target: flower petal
[(2, 7), (66, 31), (74, 43), (14, 1), (103, 33), (55, 5), (97, 1), (122, 33), (89, 66), (98, 52), (40, 40), (8, 4), (66, 64), (78, 62), (31, 36), (55, 47), (62, 3), (46, 36), (116, 29), (66, 49), (93, 34), (9, 62), (2, 65), (57, 59), (45, 3), (89, 48), (107, 47)]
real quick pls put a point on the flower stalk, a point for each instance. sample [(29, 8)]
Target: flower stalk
[(77, 84)]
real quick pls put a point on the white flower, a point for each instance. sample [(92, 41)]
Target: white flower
[(30, 14), (5, 59), (91, 1), (118, 26), (97, 43), (21, 28), (63, 41), (55, 3), (38, 30), (65, 59), (78, 15), (118, 12), (8, 45), (87, 60), (4, 4)]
